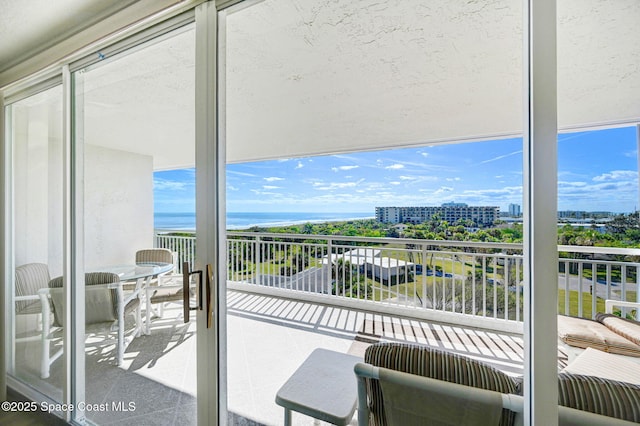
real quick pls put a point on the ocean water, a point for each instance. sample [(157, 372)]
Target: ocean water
[(240, 220)]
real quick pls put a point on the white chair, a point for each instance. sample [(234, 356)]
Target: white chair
[(106, 307), (170, 288), (29, 279)]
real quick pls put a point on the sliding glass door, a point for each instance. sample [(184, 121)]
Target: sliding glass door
[(106, 222), (134, 138), (36, 146)]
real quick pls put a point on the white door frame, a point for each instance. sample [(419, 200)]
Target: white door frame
[(210, 222)]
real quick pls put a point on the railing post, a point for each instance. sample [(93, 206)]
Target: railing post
[(424, 276), (638, 291), (258, 247), (330, 263)]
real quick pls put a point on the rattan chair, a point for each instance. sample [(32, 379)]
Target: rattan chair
[(106, 307)]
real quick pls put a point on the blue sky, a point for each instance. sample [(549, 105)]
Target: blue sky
[(597, 170)]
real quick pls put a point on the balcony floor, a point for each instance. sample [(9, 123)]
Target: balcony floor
[(268, 338)]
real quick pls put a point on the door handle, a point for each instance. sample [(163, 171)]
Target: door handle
[(209, 280), (186, 291), (186, 278)]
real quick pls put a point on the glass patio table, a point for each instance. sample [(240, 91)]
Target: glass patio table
[(140, 271)]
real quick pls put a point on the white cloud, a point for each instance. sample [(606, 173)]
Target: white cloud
[(565, 184), (631, 154), (616, 175), (233, 172), (394, 183), (443, 189), (337, 185), (273, 179), (396, 166), (344, 168), (270, 187), (455, 179), (299, 165), (500, 157), (424, 154), (232, 188), (169, 185)]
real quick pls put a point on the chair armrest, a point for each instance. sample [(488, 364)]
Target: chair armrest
[(43, 294), (27, 297), (609, 304)]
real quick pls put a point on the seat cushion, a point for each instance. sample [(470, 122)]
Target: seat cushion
[(436, 364), (593, 362), (626, 328), (601, 396), (585, 333), (100, 301)]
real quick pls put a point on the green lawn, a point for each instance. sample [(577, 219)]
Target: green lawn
[(587, 299)]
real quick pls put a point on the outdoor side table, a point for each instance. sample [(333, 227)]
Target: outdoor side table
[(323, 387)]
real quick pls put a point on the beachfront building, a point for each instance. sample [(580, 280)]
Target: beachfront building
[(452, 213), (514, 210)]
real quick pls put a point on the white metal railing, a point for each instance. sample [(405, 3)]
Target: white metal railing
[(477, 279), (181, 242)]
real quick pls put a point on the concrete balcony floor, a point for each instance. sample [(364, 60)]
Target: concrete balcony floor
[(268, 338)]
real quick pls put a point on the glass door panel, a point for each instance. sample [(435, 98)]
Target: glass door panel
[(136, 135), (35, 135), (354, 107)]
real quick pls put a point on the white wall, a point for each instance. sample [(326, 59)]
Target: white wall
[(38, 185), (118, 205)]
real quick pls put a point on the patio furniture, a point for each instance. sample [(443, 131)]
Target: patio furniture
[(170, 288), (401, 384), (435, 364), (106, 307), (29, 279), (322, 387), (154, 256), (608, 333), (419, 401), (592, 362)]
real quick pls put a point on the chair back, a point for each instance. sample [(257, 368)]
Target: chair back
[(154, 255), (101, 299), (429, 362), (30, 278)]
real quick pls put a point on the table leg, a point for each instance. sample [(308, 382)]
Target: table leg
[(287, 417)]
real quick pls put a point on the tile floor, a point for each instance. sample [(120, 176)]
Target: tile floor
[(268, 338)]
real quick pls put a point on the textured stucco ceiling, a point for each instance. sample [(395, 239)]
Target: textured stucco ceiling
[(28, 27), (314, 77)]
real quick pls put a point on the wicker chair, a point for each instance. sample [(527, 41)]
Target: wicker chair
[(435, 364), (168, 288), (106, 307), (29, 280), (454, 386)]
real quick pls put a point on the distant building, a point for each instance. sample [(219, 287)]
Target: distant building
[(514, 210), (478, 215), (571, 214)]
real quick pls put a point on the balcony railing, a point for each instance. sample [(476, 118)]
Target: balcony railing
[(468, 283)]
